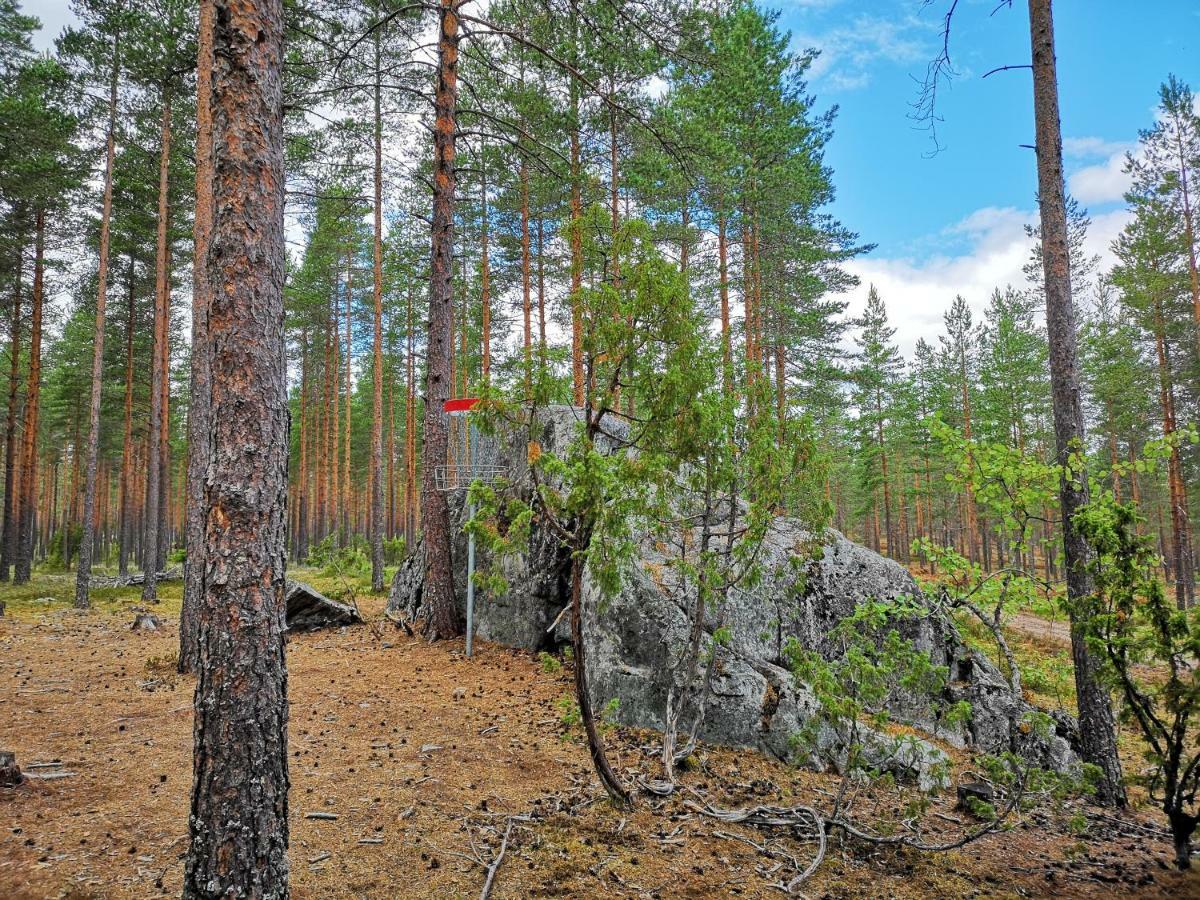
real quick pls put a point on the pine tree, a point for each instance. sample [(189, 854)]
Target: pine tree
[(875, 378), (239, 814), (1096, 727)]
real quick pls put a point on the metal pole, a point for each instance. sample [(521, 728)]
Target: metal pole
[(470, 583), (468, 435)]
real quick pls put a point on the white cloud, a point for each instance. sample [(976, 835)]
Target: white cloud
[(918, 291), (1104, 182), (848, 51), (1093, 147)]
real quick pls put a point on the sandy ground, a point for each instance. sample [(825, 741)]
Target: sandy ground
[(422, 754)]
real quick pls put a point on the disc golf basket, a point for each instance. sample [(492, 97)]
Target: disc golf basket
[(473, 456)]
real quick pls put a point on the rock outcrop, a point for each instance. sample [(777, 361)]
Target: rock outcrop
[(635, 636), (308, 609)]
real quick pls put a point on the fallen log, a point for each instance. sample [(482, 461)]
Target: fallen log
[(308, 609), (108, 581)]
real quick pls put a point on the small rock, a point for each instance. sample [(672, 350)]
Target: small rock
[(979, 791)]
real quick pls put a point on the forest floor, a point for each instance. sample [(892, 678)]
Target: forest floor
[(407, 760)]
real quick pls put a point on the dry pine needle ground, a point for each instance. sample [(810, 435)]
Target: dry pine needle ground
[(406, 762)]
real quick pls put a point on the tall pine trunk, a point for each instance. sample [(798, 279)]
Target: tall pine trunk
[(239, 807), (8, 528), (1096, 729), (162, 293), (124, 509), (29, 460), (1181, 555), (526, 307), (200, 378), (441, 607), (83, 571), (376, 529), (410, 425)]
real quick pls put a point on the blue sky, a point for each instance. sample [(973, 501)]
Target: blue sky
[(953, 222)]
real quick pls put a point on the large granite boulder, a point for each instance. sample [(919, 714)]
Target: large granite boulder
[(636, 636)]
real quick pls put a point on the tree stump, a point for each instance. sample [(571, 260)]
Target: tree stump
[(10, 772), (145, 621)]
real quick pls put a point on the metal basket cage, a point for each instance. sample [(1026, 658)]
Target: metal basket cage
[(470, 449), (458, 477)]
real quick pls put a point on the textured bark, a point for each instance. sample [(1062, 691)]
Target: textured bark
[(84, 568), (1189, 232), (201, 388), (8, 528), (29, 461), (526, 307), (485, 277), (162, 292), (377, 355), (124, 509), (576, 235), (325, 457), (541, 278), (164, 421), (410, 426), (391, 441), (748, 297), (723, 278), (347, 491), (608, 778), (239, 823), (301, 534), (885, 476), (435, 518), (1181, 550), (334, 424), (1096, 729)]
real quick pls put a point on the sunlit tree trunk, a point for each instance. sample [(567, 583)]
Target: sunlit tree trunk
[(239, 806), (162, 295), (84, 568), (1096, 728), (1181, 555), (29, 464), (438, 590), (377, 525), (8, 529), (526, 308), (125, 510)]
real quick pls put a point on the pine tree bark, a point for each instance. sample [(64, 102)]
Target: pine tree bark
[(83, 571), (347, 493), (526, 306), (443, 618), (154, 470), (8, 528), (485, 289), (124, 508), (376, 528), (576, 235), (723, 279), (239, 808), (1181, 549), (301, 538), (1096, 728), (29, 460), (410, 426), (334, 425)]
